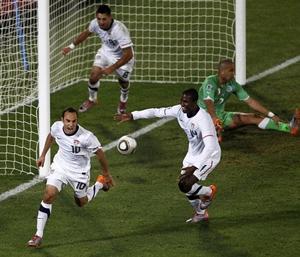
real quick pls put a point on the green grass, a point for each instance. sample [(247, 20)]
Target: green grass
[(256, 212)]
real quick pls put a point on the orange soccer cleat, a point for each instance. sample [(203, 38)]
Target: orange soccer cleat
[(295, 123), (105, 182), (208, 199)]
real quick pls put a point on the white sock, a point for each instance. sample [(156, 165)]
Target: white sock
[(204, 190), (43, 215), (124, 92), (93, 190), (93, 91), (196, 206), (263, 124)]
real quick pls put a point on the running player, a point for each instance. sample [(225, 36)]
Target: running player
[(71, 166)]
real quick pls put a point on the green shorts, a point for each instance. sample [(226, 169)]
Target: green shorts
[(226, 118)]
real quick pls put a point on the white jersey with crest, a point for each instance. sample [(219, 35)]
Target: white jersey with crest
[(114, 39), (197, 128), (74, 150)]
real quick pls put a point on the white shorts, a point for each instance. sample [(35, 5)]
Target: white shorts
[(206, 168), (60, 178), (105, 58)]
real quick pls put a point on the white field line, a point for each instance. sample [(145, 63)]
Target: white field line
[(107, 147), (274, 69), (148, 128)]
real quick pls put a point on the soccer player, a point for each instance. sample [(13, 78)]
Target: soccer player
[(203, 154), (115, 55), (71, 165), (216, 90)]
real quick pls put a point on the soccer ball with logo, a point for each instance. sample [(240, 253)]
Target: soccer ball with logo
[(126, 145)]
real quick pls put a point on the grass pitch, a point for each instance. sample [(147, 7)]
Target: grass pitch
[(256, 212)]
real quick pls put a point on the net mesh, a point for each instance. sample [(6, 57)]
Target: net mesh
[(176, 41)]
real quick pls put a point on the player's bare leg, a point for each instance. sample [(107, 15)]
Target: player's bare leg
[(100, 184), (242, 119), (93, 87), (124, 92)]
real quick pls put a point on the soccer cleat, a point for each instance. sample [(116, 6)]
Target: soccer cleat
[(101, 179), (35, 241), (122, 107), (86, 105), (295, 123), (208, 200), (198, 217)]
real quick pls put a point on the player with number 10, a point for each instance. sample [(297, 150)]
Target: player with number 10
[(71, 165)]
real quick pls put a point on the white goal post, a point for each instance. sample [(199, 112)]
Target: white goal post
[(175, 41)]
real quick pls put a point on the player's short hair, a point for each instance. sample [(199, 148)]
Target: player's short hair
[(69, 109), (192, 92), (224, 62), (104, 9)]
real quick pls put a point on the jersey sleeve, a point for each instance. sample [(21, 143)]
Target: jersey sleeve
[(92, 143), (157, 112), (210, 140), (208, 89), (240, 92), (55, 128), (93, 25), (122, 36)]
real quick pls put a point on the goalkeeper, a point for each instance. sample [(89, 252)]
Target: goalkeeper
[(216, 90), (115, 56)]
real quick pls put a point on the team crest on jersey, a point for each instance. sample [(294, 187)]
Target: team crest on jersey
[(192, 126), (229, 89), (76, 142), (209, 87)]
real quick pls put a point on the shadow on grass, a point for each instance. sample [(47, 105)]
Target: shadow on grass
[(211, 239)]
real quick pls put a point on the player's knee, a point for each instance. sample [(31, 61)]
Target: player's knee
[(50, 194), (237, 120), (184, 185), (93, 80), (94, 76)]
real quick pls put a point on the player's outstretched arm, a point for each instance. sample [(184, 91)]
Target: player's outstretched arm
[(255, 105), (104, 164), (79, 39), (122, 117)]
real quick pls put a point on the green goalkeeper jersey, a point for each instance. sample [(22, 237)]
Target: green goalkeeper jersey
[(219, 94)]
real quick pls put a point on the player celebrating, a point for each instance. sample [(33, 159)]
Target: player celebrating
[(216, 90), (115, 55), (71, 165), (203, 154)]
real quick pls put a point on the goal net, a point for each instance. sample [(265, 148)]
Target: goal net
[(175, 41)]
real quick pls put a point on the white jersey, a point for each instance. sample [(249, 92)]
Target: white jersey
[(74, 150), (200, 131), (114, 39)]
